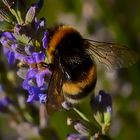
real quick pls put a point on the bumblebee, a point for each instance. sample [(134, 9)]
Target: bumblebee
[(73, 57)]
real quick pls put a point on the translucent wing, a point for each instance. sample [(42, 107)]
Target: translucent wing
[(112, 55), (55, 97)]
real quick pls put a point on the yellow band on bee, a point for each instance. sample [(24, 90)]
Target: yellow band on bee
[(56, 38)]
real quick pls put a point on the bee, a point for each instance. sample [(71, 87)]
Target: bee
[(73, 59)]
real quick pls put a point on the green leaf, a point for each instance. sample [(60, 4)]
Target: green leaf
[(8, 3), (5, 26), (6, 16), (21, 9), (23, 39)]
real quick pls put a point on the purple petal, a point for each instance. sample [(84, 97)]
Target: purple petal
[(25, 84), (42, 23), (19, 56), (42, 98), (31, 97), (45, 40), (39, 57), (31, 73), (8, 35), (34, 93), (37, 23), (11, 57), (3, 41), (40, 77), (29, 60)]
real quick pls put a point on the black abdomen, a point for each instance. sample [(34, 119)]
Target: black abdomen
[(73, 57), (68, 48)]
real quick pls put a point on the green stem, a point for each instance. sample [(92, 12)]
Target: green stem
[(81, 114)]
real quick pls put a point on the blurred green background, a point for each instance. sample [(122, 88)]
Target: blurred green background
[(102, 20)]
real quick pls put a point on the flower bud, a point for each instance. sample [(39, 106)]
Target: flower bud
[(102, 108), (66, 105), (79, 126), (32, 12)]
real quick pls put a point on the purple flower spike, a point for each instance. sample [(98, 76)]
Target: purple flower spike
[(45, 40), (26, 43)]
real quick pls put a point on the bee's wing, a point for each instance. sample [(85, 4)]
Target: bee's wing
[(112, 55), (55, 97)]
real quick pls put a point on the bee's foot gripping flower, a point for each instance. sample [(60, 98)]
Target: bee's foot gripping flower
[(25, 41)]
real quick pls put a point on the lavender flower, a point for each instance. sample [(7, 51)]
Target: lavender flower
[(27, 44), (36, 85)]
